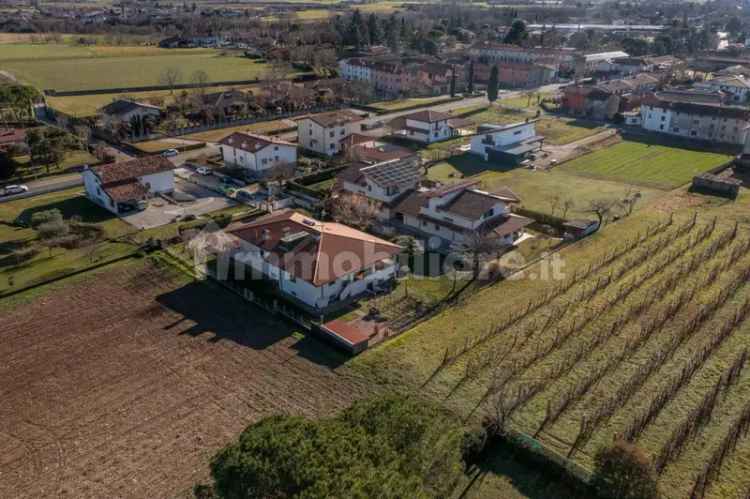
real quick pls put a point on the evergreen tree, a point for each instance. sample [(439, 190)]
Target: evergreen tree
[(517, 34), (453, 81), (470, 86), (373, 29), (492, 85)]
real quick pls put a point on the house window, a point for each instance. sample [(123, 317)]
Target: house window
[(331, 134), (661, 127), (332, 147), (489, 213), (676, 130)]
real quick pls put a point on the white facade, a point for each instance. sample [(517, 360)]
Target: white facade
[(693, 125), (426, 132), (324, 140), (261, 161), (483, 142), (156, 183), (319, 297), (355, 70)]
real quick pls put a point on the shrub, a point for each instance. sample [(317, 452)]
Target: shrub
[(623, 471), (48, 216), (52, 229)]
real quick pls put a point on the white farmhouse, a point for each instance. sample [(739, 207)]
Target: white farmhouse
[(314, 264), (426, 126), (324, 133), (695, 115), (508, 143), (258, 155), (451, 215), (123, 187), (356, 69)]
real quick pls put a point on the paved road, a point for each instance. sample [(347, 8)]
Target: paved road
[(45, 185)]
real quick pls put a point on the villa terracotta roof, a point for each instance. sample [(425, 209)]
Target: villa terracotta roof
[(127, 190), (335, 118), (251, 142), (12, 135), (132, 169), (314, 251), (428, 116)]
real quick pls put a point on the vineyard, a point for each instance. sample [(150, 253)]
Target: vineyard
[(647, 342)]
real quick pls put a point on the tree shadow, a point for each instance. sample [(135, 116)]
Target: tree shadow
[(470, 164), (213, 310), (79, 206), (501, 464)]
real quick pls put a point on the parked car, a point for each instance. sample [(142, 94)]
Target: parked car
[(202, 170), (15, 189), (169, 153)]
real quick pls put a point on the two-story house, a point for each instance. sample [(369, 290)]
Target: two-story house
[(123, 187), (259, 155), (451, 215), (314, 264), (381, 183), (425, 126), (737, 87), (323, 133), (506, 143)]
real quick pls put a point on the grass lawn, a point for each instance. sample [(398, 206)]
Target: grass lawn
[(155, 146), (264, 127), (558, 131), (536, 189), (395, 105), (646, 164), (49, 263), (493, 115), (65, 67), (72, 158)]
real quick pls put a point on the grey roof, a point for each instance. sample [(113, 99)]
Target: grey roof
[(122, 106), (394, 172)]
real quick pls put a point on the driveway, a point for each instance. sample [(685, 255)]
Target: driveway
[(161, 211)]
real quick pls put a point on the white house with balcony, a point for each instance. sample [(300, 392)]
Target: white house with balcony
[(506, 142), (125, 186), (258, 155), (324, 133), (316, 265), (425, 127), (453, 214)]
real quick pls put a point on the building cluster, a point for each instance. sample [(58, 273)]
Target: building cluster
[(402, 76)]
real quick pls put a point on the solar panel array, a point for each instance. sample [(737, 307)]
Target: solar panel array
[(393, 172)]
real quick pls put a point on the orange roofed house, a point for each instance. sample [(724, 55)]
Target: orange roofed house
[(316, 264), (123, 187)]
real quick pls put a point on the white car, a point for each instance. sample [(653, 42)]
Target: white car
[(202, 170), (169, 153), (15, 189)]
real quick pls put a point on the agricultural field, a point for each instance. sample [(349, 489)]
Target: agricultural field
[(537, 189), (66, 67), (135, 376), (559, 131), (645, 163), (641, 333)]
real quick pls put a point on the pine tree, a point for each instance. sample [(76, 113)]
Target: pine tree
[(453, 81), (492, 85), (470, 86)]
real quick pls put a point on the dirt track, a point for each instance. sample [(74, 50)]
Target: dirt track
[(125, 384)]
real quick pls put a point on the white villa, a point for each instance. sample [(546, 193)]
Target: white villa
[(455, 213), (426, 127), (324, 133), (259, 155), (315, 264), (506, 143), (123, 187)]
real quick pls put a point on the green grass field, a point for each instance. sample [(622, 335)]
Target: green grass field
[(49, 263), (558, 131), (645, 164), (396, 105), (536, 189), (263, 127), (65, 67)]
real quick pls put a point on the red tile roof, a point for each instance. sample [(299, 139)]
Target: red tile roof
[(428, 116), (132, 169), (335, 118), (312, 250), (251, 142), (12, 135)]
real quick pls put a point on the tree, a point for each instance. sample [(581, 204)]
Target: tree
[(734, 26), (477, 246), (373, 29), (601, 208), (200, 79), (470, 86), (517, 33), (567, 204), (453, 81), (170, 77), (492, 85), (623, 471), (630, 200), (355, 210), (387, 447), (8, 165)]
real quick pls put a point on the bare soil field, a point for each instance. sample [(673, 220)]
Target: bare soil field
[(125, 382)]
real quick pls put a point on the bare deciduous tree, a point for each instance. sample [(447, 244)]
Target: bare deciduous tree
[(602, 208), (171, 77), (355, 210)]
